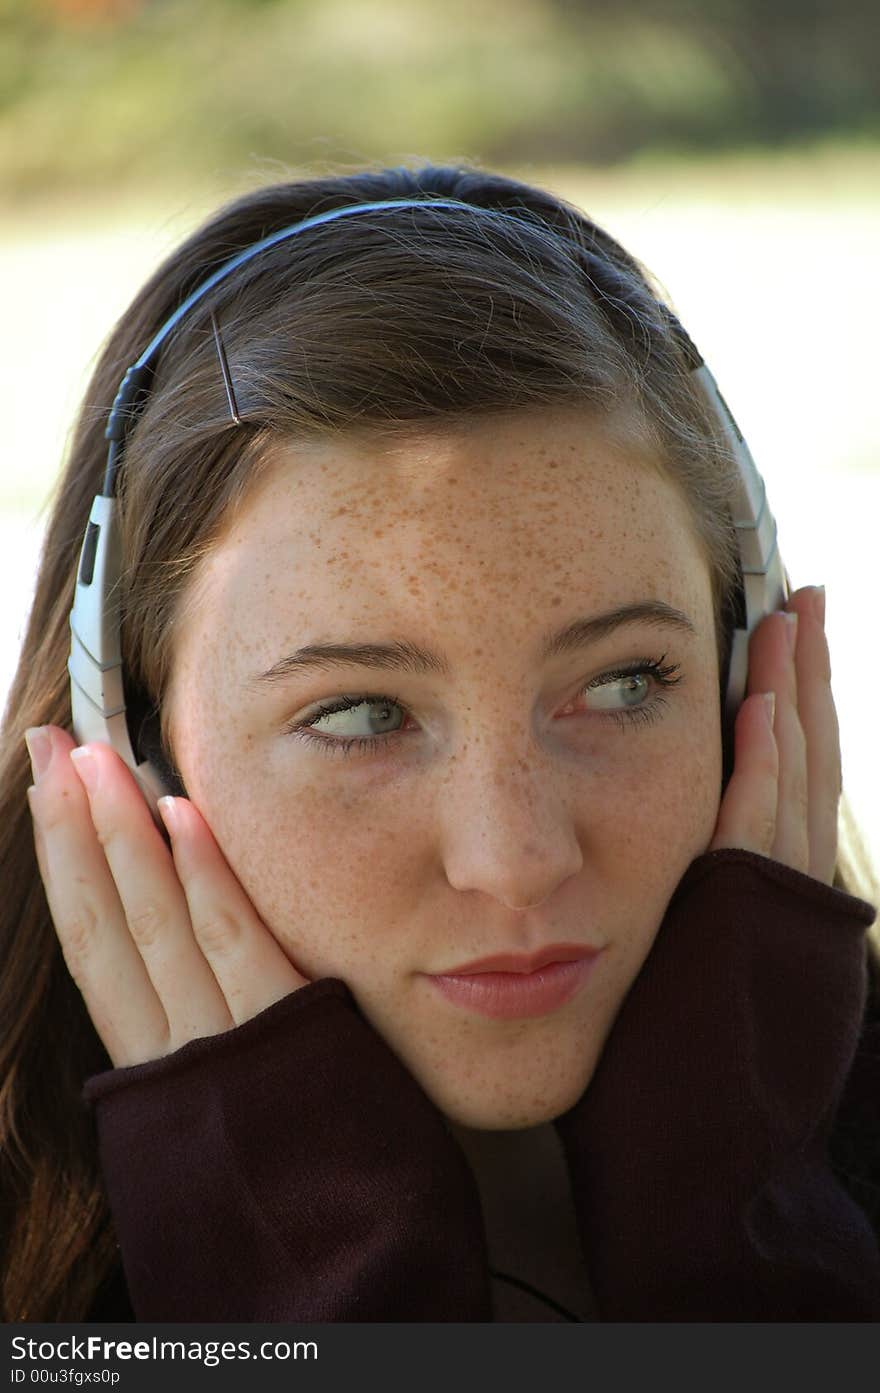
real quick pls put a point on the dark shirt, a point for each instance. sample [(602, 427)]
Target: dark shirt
[(724, 1158)]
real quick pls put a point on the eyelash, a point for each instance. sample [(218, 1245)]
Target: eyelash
[(368, 745)]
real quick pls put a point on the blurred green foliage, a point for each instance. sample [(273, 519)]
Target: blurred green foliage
[(98, 93)]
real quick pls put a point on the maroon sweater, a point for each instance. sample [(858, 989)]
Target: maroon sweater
[(291, 1168)]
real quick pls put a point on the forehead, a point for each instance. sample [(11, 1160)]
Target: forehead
[(544, 509)]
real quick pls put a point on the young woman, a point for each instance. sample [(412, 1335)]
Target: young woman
[(483, 973)]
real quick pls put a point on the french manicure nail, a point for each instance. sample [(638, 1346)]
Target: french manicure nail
[(86, 767), (770, 707), (791, 620), (820, 604), (39, 748)]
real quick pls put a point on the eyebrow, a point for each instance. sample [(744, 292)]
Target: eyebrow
[(403, 656)]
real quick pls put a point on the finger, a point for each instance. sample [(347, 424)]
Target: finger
[(153, 900), (87, 913), (747, 816), (248, 962), (772, 668), (818, 718), (791, 845)]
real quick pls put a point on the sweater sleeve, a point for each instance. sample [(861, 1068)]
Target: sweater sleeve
[(699, 1151), (289, 1169)]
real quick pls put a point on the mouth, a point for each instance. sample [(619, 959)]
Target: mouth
[(517, 994)]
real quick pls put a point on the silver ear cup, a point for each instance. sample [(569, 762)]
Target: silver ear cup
[(765, 582), (97, 696)]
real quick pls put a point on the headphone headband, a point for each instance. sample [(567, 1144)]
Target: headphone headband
[(133, 386)]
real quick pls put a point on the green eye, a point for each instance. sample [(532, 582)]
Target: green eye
[(642, 675), (634, 685)]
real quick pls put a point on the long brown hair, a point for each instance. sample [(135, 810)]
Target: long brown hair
[(381, 324)]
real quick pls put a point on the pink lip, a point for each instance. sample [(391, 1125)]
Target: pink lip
[(516, 994), (523, 962)]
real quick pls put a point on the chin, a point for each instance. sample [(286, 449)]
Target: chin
[(503, 1106)]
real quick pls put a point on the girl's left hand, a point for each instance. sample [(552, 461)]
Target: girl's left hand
[(782, 798)]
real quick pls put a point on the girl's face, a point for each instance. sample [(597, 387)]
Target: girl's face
[(516, 794)]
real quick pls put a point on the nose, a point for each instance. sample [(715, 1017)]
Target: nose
[(507, 831)]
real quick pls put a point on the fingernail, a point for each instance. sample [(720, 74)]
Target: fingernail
[(770, 707), (86, 766), (820, 604), (39, 748), (791, 620), (169, 812)]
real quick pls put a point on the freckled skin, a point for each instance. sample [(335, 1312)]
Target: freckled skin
[(511, 811)]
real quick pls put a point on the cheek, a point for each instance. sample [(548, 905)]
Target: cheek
[(655, 790), (313, 861), (265, 828)]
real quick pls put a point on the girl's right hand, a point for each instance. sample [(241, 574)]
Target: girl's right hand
[(164, 948), (783, 795)]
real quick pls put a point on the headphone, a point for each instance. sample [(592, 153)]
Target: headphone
[(97, 693)]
